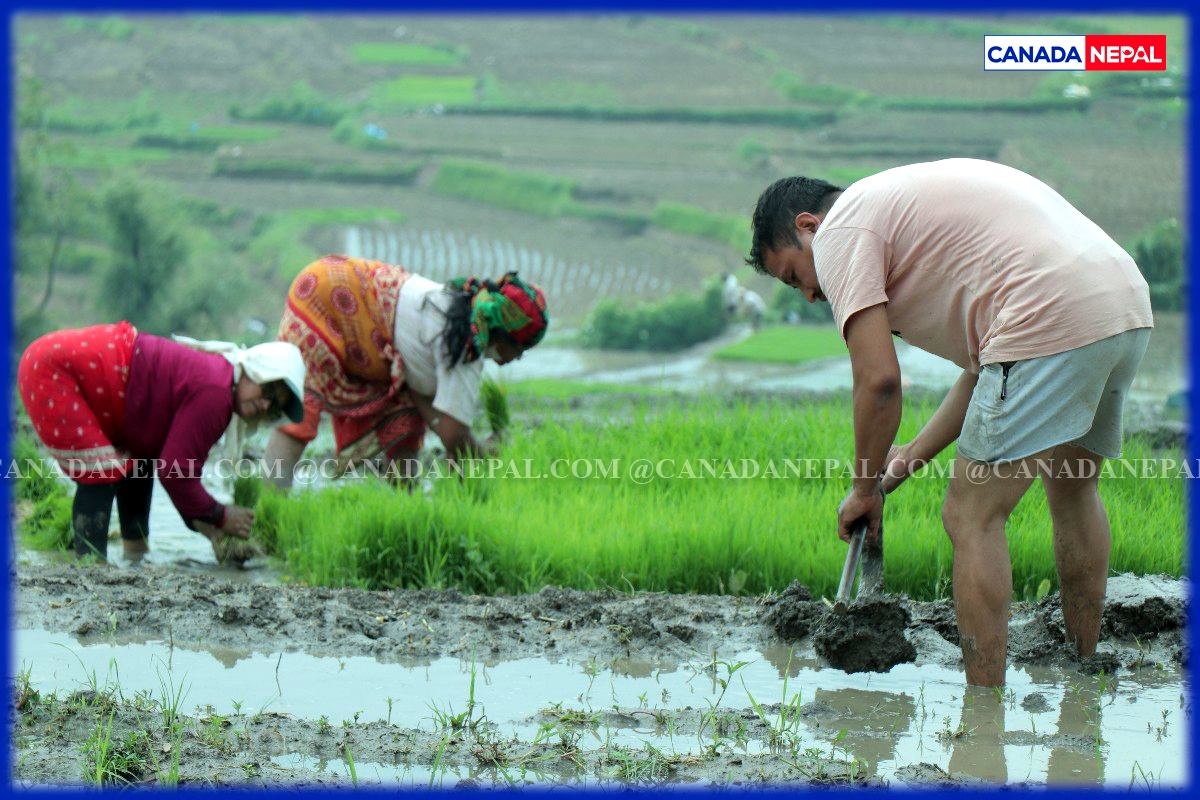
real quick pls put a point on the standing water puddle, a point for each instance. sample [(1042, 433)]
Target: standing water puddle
[(1049, 726)]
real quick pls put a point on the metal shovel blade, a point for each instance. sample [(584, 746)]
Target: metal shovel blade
[(853, 554), (870, 581)]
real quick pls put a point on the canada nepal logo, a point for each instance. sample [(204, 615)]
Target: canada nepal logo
[(1092, 52)]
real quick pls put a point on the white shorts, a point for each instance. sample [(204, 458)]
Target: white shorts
[(1020, 408)]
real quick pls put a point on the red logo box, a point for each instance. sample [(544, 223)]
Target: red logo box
[(1145, 52)]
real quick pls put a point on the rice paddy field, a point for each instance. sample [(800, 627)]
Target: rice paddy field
[(637, 591)]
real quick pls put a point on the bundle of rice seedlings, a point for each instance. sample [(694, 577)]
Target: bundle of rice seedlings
[(495, 405)]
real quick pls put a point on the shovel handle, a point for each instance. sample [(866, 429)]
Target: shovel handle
[(853, 553)]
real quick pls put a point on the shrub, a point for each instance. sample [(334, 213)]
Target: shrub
[(627, 223), (796, 88), (544, 195), (1160, 255), (301, 104), (788, 303), (679, 321), (682, 218)]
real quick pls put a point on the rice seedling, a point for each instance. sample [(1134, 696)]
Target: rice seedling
[(543, 195), (557, 389), (424, 90), (407, 53), (679, 499), (44, 502), (786, 345), (495, 405)]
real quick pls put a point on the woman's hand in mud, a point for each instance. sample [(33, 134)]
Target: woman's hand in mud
[(239, 521), (901, 463)]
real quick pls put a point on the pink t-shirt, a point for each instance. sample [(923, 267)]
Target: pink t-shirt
[(978, 263)]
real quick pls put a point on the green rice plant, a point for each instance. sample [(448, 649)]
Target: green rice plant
[(543, 195), (288, 169), (798, 89), (172, 699), (206, 139), (681, 218), (1033, 105), (246, 490), (411, 91), (625, 222), (735, 487), (45, 503), (495, 405), (408, 54), (112, 761), (786, 344), (104, 158), (389, 174), (557, 389), (795, 118)]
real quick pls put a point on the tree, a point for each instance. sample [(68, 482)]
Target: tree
[(49, 206), (165, 276), (1159, 253)]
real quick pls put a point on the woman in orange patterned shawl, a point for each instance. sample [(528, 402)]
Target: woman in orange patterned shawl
[(390, 353)]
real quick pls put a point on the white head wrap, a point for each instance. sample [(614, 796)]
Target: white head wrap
[(262, 363)]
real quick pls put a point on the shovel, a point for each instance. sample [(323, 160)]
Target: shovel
[(870, 583)]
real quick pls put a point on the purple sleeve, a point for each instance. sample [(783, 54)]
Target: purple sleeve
[(195, 428)]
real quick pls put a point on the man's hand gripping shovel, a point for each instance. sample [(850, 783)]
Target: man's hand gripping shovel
[(870, 555)]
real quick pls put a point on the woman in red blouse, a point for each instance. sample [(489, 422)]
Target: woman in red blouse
[(116, 407)]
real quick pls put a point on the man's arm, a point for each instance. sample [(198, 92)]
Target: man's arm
[(877, 407), (877, 396), (942, 428)]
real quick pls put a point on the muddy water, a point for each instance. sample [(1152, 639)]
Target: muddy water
[(1050, 726), (1162, 372), (172, 544)]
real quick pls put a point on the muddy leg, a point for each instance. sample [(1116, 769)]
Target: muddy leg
[(90, 513), (978, 503), (279, 463), (133, 508), (1082, 541)]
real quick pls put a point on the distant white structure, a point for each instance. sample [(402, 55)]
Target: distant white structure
[(741, 303), (731, 295), (752, 307)]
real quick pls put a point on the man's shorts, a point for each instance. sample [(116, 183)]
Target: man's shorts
[(1076, 398)]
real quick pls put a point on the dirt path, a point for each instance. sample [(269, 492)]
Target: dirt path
[(201, 611)]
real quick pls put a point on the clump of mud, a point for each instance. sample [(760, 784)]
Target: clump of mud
[(1142, 606), (867, 637), (794, 613)]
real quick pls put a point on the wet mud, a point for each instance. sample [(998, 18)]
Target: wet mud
[(868, 636), (1144, 621)]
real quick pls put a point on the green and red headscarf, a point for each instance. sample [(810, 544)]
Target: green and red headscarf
[(509, 304)]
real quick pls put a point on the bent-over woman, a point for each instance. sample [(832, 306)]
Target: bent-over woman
[(391, 354), (116, 408)]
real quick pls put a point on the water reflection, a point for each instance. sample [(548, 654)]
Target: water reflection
[(1049, 726)]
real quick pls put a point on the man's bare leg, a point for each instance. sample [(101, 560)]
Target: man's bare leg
[(978, 504), (1082, 541)]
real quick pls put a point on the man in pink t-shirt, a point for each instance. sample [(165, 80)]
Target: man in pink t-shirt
[(1047, 316)]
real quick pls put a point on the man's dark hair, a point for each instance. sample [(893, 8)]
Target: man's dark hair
[(774, 216)]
